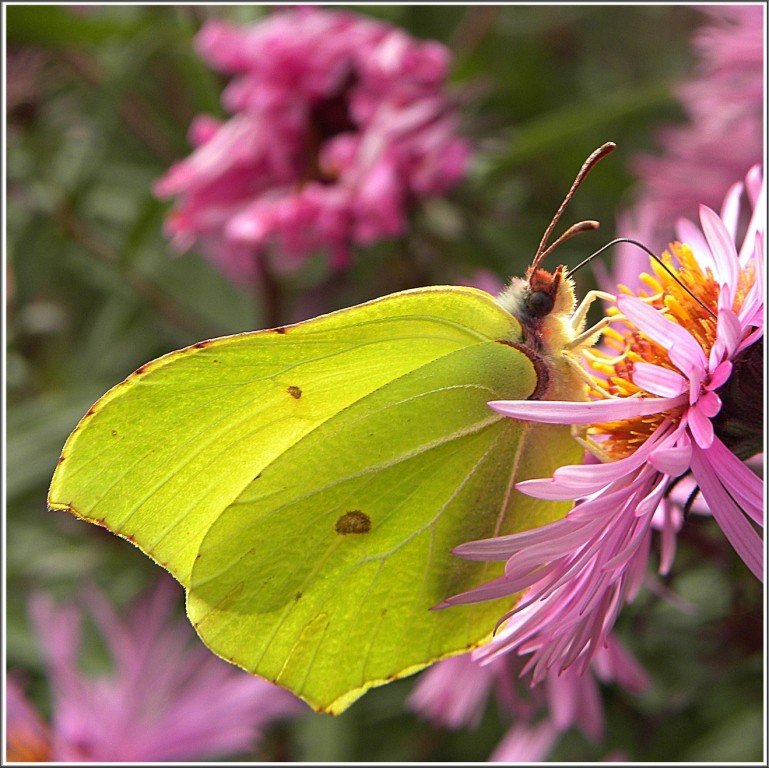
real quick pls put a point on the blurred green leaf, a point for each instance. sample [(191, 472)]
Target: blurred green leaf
[(735, 738), (586, 118), (61, 25)]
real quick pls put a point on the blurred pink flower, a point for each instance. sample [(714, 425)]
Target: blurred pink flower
[(723, 136), (340, 124), (454, 692), (28, 738), (681, 393), (483, 280), (525, 743), (168, 697)]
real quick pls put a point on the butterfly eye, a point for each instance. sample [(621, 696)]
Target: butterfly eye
[(539, 303)]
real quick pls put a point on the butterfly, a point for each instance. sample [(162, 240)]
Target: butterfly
[(306, 484)]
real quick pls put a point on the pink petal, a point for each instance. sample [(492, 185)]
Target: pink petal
[(728, 336), (526, 743), (503, 547), (724, 254), (754, 181), (739, 480), (730, 209), (202, 129), (752, 338), (658, 380), (489, 591), (649, 503), (709, 404), (690, 233), (742, 536), (668, 537), (590, 711), (453, 692), (574, 699), (579, 480), (696, 377), (575, 482), (753, 303), (685, 353), (721, 374), (615, 662), (701, 427), (673, 461), (757, 194), (239, 140), (567, 412)]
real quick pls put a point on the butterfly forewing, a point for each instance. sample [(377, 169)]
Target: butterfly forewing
[(307, 484)]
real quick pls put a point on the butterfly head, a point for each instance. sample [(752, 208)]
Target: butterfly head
[(544, 293), (542, 302)]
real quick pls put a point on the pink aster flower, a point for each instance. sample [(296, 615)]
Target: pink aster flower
[(340, 125), (454, 693), (168, 697), (682, 393), (723, 133)]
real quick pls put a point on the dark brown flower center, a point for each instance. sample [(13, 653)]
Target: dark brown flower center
[(329, 117), (739, 423)]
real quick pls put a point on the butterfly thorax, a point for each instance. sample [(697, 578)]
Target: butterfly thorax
[(543, 303)]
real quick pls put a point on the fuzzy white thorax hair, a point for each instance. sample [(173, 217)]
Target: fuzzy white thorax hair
[(558, 336)]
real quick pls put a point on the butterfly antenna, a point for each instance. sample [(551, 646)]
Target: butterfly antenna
[(653, 256), (543, 250), (574, 229)]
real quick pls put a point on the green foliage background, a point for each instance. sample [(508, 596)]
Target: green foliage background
[(98, 104)]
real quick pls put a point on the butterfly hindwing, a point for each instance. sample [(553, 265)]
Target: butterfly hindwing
[(419, 466)]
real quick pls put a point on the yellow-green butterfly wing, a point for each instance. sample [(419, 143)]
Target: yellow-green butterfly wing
[(307, 484)]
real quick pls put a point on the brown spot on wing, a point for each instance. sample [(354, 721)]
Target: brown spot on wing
[(295, 392), (353, 522)]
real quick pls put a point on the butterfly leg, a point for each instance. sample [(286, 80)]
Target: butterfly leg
[(586, 338), (591, 382), (579, 434), (580, 313), (578, 320)]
